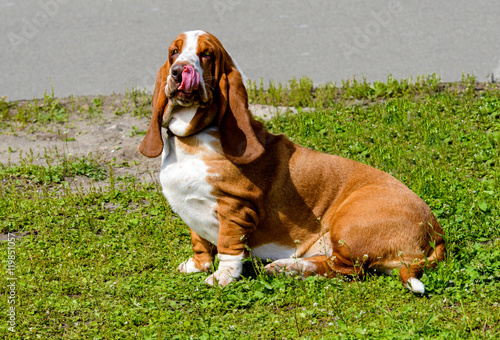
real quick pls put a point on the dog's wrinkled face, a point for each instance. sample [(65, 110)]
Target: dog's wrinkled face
[(192, 65), (199, 86)]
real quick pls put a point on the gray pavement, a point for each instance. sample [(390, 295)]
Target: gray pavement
[(105, 46)]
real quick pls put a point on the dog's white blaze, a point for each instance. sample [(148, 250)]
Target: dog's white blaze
[(190, 46), (183, 177), (189, 50), (273, 251), (180, 120)]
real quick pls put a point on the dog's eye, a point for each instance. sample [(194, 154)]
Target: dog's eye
[(206, 54), (175, 51)]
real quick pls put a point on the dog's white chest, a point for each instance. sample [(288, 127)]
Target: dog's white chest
[(183, 177)]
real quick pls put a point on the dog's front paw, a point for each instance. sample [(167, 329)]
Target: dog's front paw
[(230, 268), (189, 266), (222, 278)]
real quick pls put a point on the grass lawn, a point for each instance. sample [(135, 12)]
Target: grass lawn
[(100, 262)]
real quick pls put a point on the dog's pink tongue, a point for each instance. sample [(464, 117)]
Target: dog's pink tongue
[(190, 79)]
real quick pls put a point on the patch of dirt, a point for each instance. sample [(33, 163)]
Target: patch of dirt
[(107, 136), (112, 138)]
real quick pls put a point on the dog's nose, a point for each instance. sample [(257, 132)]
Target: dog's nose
[(176, 71)]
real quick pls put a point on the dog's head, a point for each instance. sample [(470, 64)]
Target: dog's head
[(200, 74)]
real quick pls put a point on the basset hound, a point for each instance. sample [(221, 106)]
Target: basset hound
[(246, 192)]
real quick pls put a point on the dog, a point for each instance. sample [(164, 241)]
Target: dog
[(246, 192)]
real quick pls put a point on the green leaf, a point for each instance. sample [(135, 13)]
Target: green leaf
[(483, 206)]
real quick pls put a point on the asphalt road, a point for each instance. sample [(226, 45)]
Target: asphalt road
[(105, 46)]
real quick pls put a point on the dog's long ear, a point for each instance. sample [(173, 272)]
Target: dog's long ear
[(238, 138), (152, 145)]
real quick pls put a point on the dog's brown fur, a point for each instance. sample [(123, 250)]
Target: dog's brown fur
[(270, 190)]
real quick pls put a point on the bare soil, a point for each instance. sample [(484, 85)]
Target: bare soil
[(110, 137)]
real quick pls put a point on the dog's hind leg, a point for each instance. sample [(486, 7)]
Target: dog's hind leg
[(317, 265)]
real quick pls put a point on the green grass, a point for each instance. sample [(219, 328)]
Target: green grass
[(58, 169), (101, 262), (49, 112), (302, 93)]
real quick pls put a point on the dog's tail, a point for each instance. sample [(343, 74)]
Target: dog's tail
[(410, 274)]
